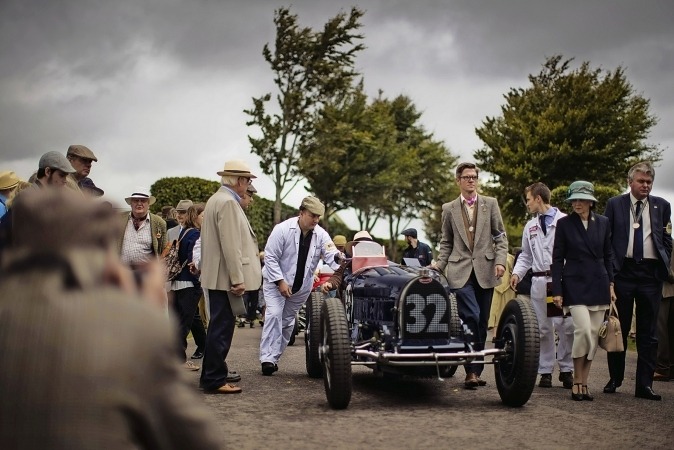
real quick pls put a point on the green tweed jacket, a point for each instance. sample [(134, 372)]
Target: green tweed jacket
[(157, 228)]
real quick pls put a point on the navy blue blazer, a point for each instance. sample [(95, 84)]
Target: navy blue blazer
[(618, 212), (185, 254), (582, 261)]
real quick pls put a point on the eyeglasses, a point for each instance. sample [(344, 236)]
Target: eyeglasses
[(249, 180), (469, 178)]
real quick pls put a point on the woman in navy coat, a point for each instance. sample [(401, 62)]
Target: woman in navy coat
[(582, 278)]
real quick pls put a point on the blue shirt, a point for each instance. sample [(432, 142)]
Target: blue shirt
[(3, 208)]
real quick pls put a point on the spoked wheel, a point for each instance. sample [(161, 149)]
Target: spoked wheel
[(335, 354), (518, 334), (311, 338)]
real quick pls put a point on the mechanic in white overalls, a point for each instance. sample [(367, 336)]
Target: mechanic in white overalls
[(292, 253), (538, 240)]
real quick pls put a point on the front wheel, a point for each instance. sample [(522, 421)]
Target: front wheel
[(311, 339), (335, 354), (518, 335)]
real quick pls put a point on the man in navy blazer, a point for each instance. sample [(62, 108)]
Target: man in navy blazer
[(642, 249)]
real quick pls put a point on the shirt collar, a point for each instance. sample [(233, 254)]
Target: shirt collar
[(464, 199), (634, 200), (236, 196)]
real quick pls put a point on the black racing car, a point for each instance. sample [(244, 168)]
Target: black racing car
[(404, 321)]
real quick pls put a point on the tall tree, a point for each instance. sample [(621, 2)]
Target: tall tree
[(348, 159), (310, 68), (422, 170), (569, 124)]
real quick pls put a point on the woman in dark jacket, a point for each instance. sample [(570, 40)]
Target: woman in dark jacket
[(186, 285), (582, 278)]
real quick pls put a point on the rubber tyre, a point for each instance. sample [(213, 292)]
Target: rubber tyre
[(516, 374), (455, 328), (296, 331), (336, 354), (312, 341)]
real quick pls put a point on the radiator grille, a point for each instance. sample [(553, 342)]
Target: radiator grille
[(426, 311)]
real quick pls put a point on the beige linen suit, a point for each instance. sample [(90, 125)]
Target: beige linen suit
[(490, 246), (229, 253), (229, 256)]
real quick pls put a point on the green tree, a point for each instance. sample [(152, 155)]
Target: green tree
[(310, 68), (170, 190), (347, 160), (568, 125)]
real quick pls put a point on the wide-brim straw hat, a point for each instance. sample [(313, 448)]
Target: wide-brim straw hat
[(236, 168), (8, 180), (141, 193)]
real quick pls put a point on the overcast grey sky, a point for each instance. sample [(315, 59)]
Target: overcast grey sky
[(158, 88)]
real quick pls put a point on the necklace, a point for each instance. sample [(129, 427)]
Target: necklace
[(637, 218)]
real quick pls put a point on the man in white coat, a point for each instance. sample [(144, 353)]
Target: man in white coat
[(292, 253), (537, 242)]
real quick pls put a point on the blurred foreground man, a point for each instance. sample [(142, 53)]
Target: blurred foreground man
[(87, 362)]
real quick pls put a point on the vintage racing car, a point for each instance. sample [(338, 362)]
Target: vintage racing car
[(404, 321)]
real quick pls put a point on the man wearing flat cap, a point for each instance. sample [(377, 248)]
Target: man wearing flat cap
[(229, 267), (87, 361), (81, 159), (144, 235), (416, 249), (291, 256), (53, 170)]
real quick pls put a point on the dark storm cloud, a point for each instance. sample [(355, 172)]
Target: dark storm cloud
[(160, 76)]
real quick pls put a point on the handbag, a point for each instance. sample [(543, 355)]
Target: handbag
[(172, 263), (610, 334)]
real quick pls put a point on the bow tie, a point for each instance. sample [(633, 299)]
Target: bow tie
[(471, 201)]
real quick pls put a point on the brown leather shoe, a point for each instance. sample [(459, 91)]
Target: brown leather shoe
[(471, 381), (660, 377), (481, 382), (226, 389)]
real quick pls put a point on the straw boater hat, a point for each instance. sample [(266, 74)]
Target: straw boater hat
[(8, 180), (236, 168), (141, 193), (358, 237)]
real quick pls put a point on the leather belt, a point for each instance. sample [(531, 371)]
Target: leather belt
[(547, 273)]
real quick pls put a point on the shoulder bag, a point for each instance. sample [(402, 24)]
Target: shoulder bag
[(610, 334)]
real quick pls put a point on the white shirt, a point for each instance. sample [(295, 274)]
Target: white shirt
[(649, 248), (536, 247), (137, 244)]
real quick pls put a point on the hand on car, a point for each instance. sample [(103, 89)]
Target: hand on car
[(326, 287)]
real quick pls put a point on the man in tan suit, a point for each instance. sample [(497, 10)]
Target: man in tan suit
[(87, 362), (473, 252), (229, 267)]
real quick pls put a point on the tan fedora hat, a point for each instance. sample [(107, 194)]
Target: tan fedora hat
[(8, 180), (237, 168), (141, 192)]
